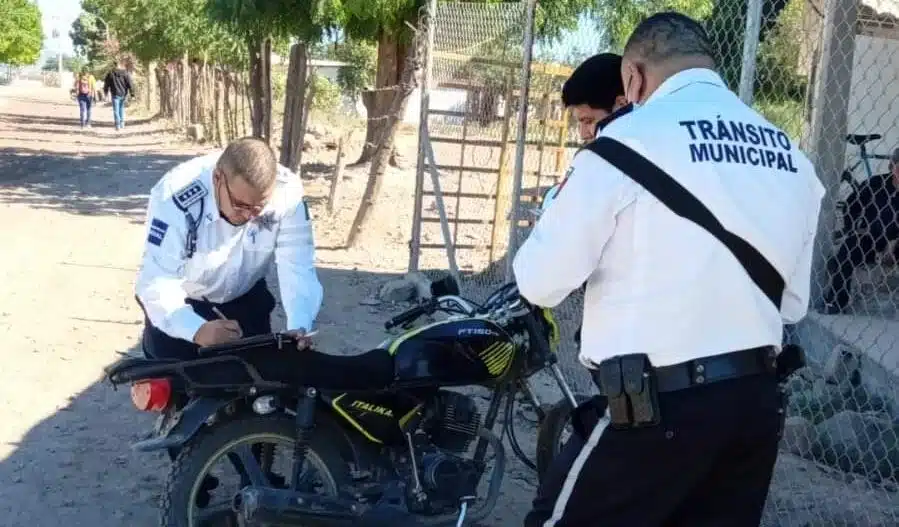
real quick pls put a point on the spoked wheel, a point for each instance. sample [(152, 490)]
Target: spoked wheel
[(554, 431), (256, 450)]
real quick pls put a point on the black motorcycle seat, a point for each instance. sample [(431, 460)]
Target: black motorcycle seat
[(371, 370), (860, 139)]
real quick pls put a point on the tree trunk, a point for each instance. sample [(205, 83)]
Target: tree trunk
[(267, 89), (185, 89), (148, 85), (257, 88), (161, 79), (228, 110), (221, 107), (245, 105), (381, 156), (294, 114), (391, 59), (196, 115)]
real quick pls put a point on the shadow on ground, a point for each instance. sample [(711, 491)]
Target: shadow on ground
[(75, 467), (109, 183), (30, 120)]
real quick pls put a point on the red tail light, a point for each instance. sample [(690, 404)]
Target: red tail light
[(152, 395)]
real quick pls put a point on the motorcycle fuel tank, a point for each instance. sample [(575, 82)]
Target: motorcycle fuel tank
[(453, 352)]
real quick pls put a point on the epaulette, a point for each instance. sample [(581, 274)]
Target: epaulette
[(192, 193)]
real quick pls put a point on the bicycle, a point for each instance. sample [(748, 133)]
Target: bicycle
[(849, 183)]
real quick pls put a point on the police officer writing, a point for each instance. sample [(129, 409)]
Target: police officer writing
[(692, 219), (214, 226)]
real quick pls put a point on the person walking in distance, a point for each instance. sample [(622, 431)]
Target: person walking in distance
[(84, 93), (117, 84), (688, 355)]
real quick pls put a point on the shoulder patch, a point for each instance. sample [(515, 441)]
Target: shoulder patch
[(158, 228), (192, 193)]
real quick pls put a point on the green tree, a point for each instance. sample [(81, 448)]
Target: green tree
[(267, 24), (359, 73), (89, 33), (21, 33)]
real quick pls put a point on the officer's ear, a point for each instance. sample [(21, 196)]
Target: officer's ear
[(620, 102)]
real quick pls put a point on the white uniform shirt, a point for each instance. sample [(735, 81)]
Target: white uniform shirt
[(657, 283), (228, 259)]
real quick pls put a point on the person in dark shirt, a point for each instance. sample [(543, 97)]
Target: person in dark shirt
[(872, 225), (118, 84), (594, 92)]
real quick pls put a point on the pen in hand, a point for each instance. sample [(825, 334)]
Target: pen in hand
[(218, 313), (215, 310)]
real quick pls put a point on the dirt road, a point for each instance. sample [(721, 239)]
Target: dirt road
[(71, 209)]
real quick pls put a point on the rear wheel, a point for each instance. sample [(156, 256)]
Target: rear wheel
[(554, 430), (196, 494)]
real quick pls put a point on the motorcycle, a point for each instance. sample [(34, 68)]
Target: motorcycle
[(413, 453)]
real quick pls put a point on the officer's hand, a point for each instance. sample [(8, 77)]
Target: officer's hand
[(217, 332), (304, 339)]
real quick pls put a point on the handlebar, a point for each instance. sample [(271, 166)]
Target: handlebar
[(410, 315)]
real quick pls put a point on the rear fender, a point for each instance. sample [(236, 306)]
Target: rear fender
[(175, 429)]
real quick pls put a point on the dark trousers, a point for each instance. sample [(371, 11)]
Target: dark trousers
[(856, 249), (708, 464), (252, 311)]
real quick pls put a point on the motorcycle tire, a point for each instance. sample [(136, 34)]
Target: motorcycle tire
[(211, 444), (549, 433)]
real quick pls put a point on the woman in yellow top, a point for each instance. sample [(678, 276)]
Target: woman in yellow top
[(84, 91)]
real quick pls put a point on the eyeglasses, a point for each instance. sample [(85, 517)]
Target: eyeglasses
[(237, 204)]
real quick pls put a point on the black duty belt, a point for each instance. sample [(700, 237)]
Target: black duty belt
[(717, 368)]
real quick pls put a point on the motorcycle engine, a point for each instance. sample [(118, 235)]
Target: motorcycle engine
[(445, 475), (456, 422)]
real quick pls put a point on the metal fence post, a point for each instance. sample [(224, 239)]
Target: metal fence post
[(829, 123), (425, 97), (522, 126), (750, 49)]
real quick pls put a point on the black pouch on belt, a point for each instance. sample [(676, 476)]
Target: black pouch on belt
[(629, 383), (790, 359)]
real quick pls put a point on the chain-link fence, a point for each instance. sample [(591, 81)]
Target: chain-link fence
[(827, 73)]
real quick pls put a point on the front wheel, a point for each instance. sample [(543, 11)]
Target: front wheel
[(197, 495), (551, 434)]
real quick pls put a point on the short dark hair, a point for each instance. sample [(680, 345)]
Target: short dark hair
[(596, 82), (668, 35), (252, 159)]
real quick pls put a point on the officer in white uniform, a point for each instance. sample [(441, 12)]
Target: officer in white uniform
[(214, 226), (665, 291)]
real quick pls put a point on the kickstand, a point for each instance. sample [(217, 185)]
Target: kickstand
[(463, 510)]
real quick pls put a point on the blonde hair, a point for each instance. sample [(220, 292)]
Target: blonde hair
[(251, 159)]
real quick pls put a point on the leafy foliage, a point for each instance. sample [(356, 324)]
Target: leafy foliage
[(620, 17), (89, 33), (777, 76), (359, 74), (169, 29), (21, 33), (326, 94)]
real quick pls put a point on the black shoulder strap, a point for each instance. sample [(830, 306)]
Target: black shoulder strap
[(667, 190)]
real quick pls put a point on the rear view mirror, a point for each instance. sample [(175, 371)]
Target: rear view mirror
[(444, 286)]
